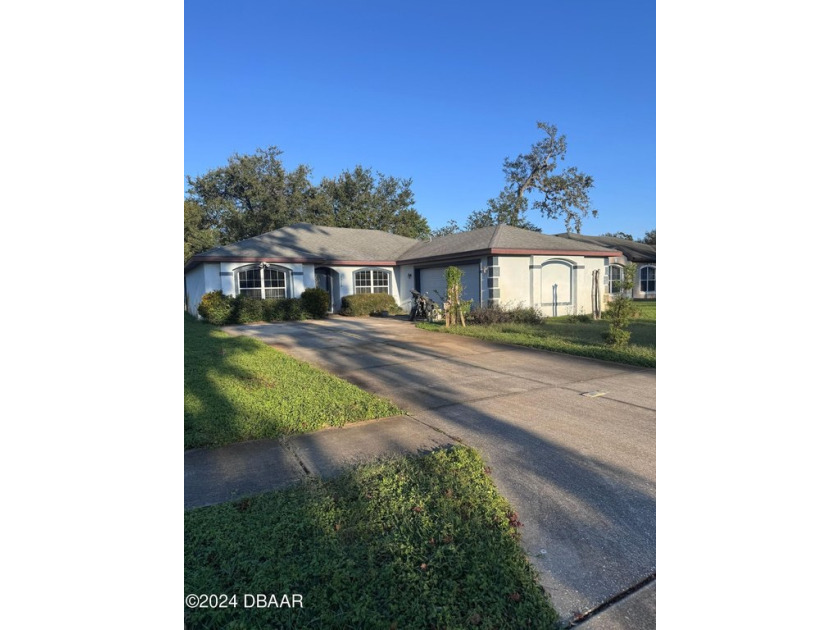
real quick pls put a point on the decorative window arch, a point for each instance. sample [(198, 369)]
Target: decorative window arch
[(557, 285), (262, 281), (372, 281), (647, 277), (614, 278)]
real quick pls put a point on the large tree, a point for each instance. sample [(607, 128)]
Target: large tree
[(254, 194), (533, 184), (360, 199), (650, 237), (199, 234)]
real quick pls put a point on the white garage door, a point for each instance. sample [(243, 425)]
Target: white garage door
[(434, 279)]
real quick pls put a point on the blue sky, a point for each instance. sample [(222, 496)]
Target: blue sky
[(437, 92)]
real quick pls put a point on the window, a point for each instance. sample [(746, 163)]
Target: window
[(262, 282), (371, 281), (648, 279), (615, 275)]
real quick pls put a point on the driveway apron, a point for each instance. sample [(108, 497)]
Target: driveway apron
[(571, 442)]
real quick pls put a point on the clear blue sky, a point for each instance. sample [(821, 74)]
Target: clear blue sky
[(439, 92)]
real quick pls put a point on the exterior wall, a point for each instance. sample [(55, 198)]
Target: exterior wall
[(208, 277), (200, 280), (514, 280), (506, 280), (521, 280), (405, 277)]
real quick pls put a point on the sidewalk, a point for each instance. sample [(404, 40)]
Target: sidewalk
[(222, 474)]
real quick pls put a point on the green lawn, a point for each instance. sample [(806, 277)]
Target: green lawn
[(413, 542), (237, 388), (558, 334)]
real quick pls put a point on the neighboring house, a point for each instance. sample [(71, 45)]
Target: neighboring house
[(501, 265), (642, 254)]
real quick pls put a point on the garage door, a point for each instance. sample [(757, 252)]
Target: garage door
[(433, 279)]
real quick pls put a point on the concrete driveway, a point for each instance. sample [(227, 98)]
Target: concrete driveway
[(571, 443)]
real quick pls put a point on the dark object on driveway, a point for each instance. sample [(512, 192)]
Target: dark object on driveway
[(423, 307)]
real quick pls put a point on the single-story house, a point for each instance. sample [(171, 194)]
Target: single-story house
[(642, 254), (501, 265)]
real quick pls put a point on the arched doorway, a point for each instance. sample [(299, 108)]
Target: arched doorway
[(327, 279)]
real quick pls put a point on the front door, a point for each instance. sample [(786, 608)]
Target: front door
[(323, 280)]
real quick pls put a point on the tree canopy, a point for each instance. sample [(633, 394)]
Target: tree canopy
[(533, 184), (199, 236), (451, 227), (254, 194), (624, 235), (650, 237), (358, 199)]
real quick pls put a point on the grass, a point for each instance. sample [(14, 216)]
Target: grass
[(238, 388), (559, 334), (412, 542)]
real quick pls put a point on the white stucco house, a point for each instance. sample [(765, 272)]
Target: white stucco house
[(501, 265)]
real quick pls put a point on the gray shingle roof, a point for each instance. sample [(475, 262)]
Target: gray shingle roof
[(632, 250), (304, 242), (503, 237)]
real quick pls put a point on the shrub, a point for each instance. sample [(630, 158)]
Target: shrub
[(579, 318), (248, 309), (363, 304), (505, 314), (617, 337), (316, 302), (220, 309), (282, 309), (293, 310), (216, 308)]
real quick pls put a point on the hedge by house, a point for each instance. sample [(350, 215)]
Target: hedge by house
[(316, 302), (363, 304), (219, 309)]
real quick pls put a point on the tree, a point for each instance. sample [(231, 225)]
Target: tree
[(254, 194), (624, 235), (199, 235), (621, 309), (360, 199), (451, 227), (564, 195), (499, 211), (650, 238), (454, 309)]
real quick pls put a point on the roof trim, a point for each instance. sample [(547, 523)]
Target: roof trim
[(555, 252), (493, 251)]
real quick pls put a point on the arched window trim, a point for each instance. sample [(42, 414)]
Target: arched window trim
[(611, 282), (374, 282), (285, 290), (572, 282), (647, 282)]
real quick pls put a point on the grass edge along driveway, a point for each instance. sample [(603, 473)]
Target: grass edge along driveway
[(406, 542), (238, 389), (559, 334)]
